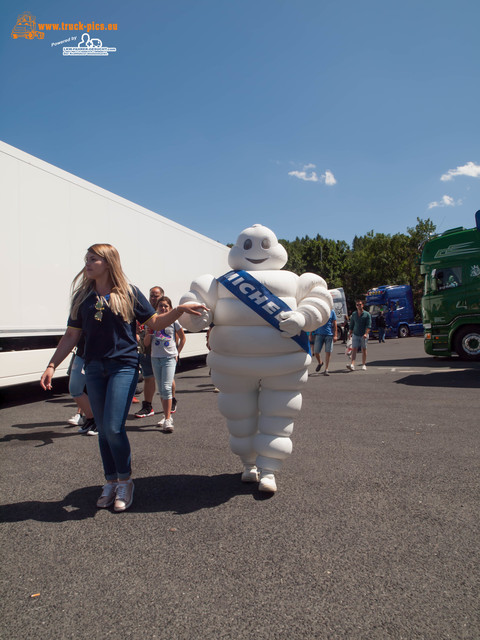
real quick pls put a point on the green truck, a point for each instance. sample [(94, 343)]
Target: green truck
[(450, 263)]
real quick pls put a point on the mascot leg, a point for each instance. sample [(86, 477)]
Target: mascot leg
[(238, 403), (279, 403)]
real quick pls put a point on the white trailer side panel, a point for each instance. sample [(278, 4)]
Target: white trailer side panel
[(49, 219)]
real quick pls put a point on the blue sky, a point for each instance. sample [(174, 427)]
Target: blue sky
[(309, 116)]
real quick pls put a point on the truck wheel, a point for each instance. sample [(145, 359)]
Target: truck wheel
[(467, 343), (403, 332)]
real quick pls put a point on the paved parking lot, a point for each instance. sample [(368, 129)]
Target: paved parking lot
[(373, 533)]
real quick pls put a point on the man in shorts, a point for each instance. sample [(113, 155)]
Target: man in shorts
[(325, 335), (360, 325)]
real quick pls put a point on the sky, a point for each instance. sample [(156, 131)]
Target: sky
[(330, 117)]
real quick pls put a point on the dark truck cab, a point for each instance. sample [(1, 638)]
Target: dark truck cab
[(396, 302)]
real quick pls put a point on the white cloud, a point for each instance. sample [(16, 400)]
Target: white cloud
[(308, 175), (446, 201), (303, 175), (330, 178), (470, 169)]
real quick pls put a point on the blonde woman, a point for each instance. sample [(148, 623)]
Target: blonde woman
[(105, 307)]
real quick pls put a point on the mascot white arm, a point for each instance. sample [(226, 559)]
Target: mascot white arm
[(257, 359)]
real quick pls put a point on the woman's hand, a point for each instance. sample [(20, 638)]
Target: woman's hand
[(67, 342), (46, 379), (193, 308), (162, 320)]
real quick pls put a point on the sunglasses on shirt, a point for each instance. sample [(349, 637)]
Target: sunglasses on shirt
[(99, 309)]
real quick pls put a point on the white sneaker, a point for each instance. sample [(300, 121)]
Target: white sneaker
[(267, 483), (351, 367), (161, 422), (250, 473), (77, 420), (124, 495), (108, 495), (363, 367), (168, 426)]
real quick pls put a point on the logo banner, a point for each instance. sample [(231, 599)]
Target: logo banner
[(261, 300)]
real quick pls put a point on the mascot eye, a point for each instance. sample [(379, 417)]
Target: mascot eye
[(247, 244), (266, 244)]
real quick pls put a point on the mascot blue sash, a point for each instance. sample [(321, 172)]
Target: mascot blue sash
[(261, 300)]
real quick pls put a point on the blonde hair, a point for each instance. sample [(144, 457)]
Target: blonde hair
[(122, 297)]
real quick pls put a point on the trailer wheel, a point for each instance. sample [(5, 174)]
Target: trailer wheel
[(467, 343), (403, 331)]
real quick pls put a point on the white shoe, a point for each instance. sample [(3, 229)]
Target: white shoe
[(124, 495), (351, 367), (250, 473), (108, 495), (363, 367), (267, 483), (161, 422), (77, 420), (168, 426)]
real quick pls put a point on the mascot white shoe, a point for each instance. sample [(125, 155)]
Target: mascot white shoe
[(259, 349)]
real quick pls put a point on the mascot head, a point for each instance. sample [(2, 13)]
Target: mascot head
[(257, 248)]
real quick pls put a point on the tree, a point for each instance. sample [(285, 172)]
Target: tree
[(373, 259)]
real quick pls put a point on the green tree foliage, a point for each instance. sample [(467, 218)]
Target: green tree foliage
[(373, 259)]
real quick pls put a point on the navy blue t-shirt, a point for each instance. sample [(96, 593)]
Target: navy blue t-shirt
[(111, 337)]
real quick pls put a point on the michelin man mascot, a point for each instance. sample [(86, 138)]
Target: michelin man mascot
[(259, 349)]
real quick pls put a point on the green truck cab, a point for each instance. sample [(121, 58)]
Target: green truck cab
[(450, 263)]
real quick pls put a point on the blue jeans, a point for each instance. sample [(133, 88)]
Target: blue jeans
[(111, 385), (381, 334), (164, 372)]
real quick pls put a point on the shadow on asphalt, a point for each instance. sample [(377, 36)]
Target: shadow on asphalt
[(21, 394), (425, 363), (43, 437), (179, 494), (448, 379)]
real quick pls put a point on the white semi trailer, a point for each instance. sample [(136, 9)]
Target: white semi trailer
[(49, 219)]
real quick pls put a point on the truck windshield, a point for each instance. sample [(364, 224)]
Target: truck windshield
[(374, 309), (440, 279)]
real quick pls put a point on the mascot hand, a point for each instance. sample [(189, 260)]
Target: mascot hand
[(291, 324)]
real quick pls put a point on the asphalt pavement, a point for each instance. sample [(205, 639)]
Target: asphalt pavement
[(373, 533)]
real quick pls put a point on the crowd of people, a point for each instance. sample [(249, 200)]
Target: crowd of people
[(115, 332)]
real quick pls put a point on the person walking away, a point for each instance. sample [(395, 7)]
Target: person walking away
[(360, 325), (166, 345), (345, 329), (381, 326), (105, 307), (325, 335)]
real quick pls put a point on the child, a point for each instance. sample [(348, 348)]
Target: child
[(166, 346)]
